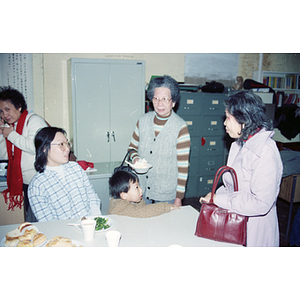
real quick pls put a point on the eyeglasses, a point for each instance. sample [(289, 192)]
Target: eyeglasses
[(163, 100), (63, 145)]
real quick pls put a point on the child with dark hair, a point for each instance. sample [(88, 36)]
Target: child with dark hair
[(127, 198)]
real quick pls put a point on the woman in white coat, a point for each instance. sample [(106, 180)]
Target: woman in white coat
[(257, 162)]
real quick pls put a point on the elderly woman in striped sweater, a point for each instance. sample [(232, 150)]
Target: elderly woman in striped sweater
[(162, 138)]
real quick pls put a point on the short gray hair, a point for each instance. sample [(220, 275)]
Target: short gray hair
[(165, 82)]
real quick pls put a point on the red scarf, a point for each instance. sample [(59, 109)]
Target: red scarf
[(250, 136), (14, 193)]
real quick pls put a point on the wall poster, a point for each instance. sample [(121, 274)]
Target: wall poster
[(16, 71)]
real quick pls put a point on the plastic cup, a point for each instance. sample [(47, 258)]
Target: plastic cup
[(88, 228), (113, 238)]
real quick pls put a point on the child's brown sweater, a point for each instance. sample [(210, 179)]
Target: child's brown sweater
[(138, 210)]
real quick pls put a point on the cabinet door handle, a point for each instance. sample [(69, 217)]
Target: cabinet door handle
[(113, 135), (107, 135)]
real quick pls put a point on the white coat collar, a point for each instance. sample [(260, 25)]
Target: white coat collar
[(257, 142)]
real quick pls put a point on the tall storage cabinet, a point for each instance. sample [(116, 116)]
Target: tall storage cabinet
[(204, 114), (108, 97)]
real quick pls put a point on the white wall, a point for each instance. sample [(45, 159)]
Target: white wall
[(50, 76), (51, 79)]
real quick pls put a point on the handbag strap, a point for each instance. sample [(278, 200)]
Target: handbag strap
[(126, 156), (122, 167), (218, 175)]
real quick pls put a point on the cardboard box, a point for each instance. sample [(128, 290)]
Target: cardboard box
[(286, 188)]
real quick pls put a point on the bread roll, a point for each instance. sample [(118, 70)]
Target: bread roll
[(13, 235), (24, 236), (24, 225), (28, 235), (25, 244), (38, 239), (12, 243), (59, 241)]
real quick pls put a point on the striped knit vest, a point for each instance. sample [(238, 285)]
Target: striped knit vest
[(160, 182)]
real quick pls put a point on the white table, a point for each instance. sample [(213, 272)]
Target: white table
[(174, 228)]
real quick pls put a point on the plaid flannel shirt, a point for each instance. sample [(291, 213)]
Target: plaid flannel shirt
[(52, 197)]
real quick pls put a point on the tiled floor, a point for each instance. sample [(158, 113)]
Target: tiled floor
[(282, 211)]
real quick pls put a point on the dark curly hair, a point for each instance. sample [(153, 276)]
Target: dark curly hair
[(12, 95), (248, 109)]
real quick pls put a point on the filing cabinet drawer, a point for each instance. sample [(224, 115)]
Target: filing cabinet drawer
[(205, 185), (211, 145), (198, 186), (207, 146), (213, 104), (201, 103), (205, 125), (206, 165), (190, 103), (212, 125), (194, 124)]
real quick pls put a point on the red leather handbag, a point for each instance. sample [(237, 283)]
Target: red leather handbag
[(220, 224)]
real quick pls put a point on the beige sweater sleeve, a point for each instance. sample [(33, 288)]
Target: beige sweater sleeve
[(138, 210)]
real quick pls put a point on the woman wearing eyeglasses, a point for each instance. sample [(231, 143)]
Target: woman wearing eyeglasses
[(162, 138), (17, 131), (61, 189)]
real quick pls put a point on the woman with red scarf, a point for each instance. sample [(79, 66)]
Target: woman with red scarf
[(17, 132)]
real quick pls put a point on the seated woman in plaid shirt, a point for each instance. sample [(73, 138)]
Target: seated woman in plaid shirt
[(61, 188)]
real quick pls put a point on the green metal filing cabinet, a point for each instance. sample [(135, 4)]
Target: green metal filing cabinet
[(204, 114)]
